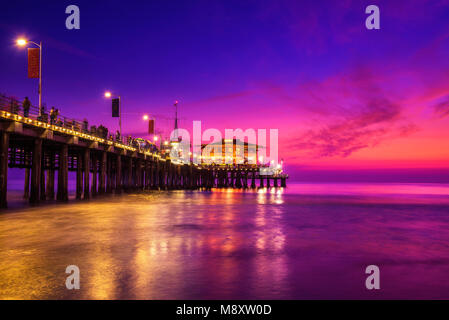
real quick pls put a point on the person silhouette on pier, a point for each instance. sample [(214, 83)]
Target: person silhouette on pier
[(52, 115), (26, 104), (85, 126)]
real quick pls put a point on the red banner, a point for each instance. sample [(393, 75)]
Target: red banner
[(151, 127), (33, 62)]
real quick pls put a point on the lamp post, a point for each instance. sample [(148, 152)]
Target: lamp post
[(108, 94), (23, 42), (155, 138)]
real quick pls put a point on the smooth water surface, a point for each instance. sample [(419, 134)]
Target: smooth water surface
[(307, 241)]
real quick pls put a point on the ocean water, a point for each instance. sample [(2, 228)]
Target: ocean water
[(308, 241)]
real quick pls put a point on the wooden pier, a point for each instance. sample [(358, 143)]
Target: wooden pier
[(47, 152)]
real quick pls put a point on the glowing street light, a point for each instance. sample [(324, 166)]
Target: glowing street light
[(21, 42), (107, 94), (155, 138), (145, 117)]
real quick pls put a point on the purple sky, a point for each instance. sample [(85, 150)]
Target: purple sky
[(344, 98)]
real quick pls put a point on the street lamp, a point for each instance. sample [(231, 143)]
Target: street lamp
[(145, 117), (23, 42), (155, 138), (108, 95)]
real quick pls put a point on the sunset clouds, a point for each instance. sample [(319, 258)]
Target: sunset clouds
[(341, 96)]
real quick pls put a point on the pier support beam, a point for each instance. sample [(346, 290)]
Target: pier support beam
[(129, 183), (4, 145), (109, 176), (79, 175), (42, 178), (63, 174), (283, 182), (26, 187), (118, 176), (150, 174), (238, 181), (86, 166), (155, 176), (139, 174), (51, 178), (245, 180), (162, 176), (103, 164), (226, 178), (36, 171), (94, 188), (147, 174), (253, 180)]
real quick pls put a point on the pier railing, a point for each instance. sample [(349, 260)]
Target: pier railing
[(15, 106)]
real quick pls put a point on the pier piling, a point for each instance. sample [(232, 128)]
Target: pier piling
[(4, 146)]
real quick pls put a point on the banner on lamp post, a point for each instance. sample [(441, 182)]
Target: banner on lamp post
[(115, 108), (151, 126), (33, 62)]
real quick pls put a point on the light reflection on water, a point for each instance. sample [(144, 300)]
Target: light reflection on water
[(306, 241)]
